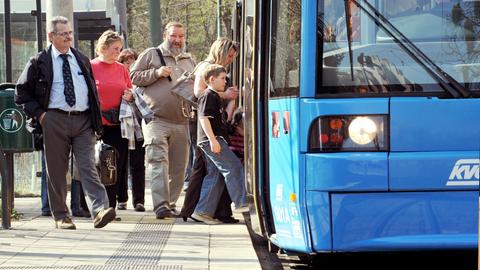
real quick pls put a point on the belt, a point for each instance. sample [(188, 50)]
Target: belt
[(69, 113)]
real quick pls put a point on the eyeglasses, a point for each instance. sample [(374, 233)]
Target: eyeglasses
[(64, 34)]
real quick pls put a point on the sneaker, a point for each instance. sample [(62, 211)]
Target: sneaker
[(206, 219), (242, 209), (46, 214), (65, 224), (104, 217), (122, 206), (139, 207)]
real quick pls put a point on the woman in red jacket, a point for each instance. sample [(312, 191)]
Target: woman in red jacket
[(113, 85)]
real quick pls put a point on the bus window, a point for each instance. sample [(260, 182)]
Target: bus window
[(437, 20), (285, 48), (371, 61)]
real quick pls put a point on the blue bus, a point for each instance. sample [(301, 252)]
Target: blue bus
[(362, 122)]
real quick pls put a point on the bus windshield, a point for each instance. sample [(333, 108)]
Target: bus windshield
[(361, 57)]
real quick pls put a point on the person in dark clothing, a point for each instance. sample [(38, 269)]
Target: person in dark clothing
[(235, 134), (223, 51), (136, 157), (57, 92)]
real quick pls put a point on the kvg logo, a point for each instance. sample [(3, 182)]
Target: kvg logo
[(466, 172)]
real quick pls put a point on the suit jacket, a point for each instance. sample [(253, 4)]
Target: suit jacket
[(34, 86)]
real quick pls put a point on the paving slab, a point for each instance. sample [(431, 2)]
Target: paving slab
[(139, 241)]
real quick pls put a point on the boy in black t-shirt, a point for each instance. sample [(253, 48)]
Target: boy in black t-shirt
[(211, 138)]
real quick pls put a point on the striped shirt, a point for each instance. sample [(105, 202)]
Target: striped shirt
[(236, 145)]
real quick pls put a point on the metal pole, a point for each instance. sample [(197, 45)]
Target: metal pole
[(6, 168), (39, 25), (63, 8), (122, 12), (219, 29), (92, 49), (155, 22), (186, 23), (8, 41)]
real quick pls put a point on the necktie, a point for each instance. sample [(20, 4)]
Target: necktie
[(68, 81)]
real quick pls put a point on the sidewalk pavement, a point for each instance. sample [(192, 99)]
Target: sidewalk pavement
[(139, 241)]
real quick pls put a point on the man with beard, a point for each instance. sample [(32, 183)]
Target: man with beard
[(165, 137)]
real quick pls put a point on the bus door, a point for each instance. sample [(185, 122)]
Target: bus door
[(251, 102), (284, 164)]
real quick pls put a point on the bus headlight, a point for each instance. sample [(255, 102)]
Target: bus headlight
[(362, 130), (349, 133)]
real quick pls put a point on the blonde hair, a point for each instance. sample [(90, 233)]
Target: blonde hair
[(219, 50), (212, 70), (106, 39)]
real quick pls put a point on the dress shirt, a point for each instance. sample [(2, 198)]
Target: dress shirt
[(57, 97)]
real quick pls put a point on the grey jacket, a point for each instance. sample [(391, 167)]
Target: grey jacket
[(156, 94)]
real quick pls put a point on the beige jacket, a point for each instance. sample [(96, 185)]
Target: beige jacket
[(165, 105)]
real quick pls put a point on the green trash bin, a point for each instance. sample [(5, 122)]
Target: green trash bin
[(14, 137)]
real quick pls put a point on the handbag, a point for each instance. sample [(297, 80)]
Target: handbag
[(183, 87), (112, 116), (106, 162)]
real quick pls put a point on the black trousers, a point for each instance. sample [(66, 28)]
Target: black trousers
[(137, 172), (195, 181), (112, 136)]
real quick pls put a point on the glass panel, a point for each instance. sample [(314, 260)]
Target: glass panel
[(24, 45), (248, 41), (2, 46), (24, 38), (446, 31), (285, 48), (84, 46)]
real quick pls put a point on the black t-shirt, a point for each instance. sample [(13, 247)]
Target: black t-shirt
[(210, 106)]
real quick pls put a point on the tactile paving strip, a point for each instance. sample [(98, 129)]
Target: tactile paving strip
[(143, 245), (129, 267)]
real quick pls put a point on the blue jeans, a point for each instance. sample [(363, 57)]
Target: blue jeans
[(227, 164), (44, 187)]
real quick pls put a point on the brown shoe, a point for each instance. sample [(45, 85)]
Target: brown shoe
[(104, 217), (65, 223)]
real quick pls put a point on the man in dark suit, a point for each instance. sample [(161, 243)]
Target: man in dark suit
[(57, 92)]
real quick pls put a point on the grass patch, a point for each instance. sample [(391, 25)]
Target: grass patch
[(15, 214)]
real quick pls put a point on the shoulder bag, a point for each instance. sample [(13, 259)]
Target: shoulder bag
[(183, 87), (106, 163)]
